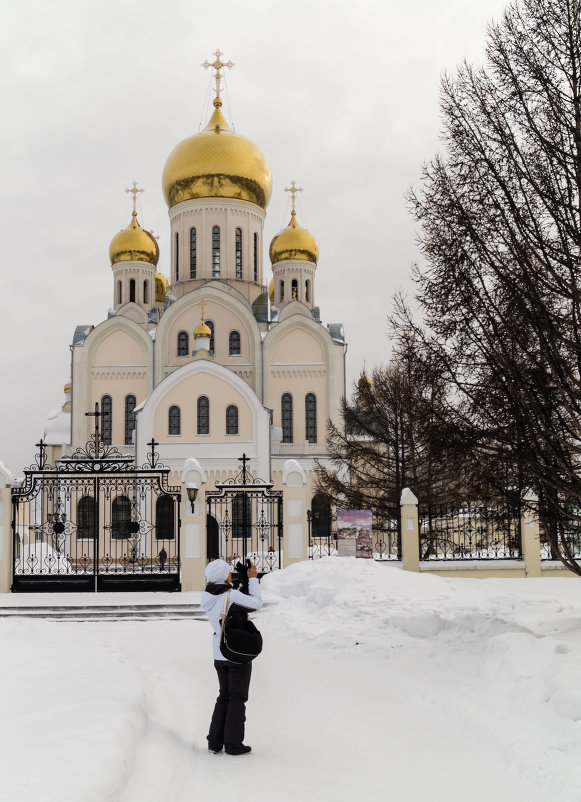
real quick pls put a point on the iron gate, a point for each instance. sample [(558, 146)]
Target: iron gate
[(245, 520), (96, 522)]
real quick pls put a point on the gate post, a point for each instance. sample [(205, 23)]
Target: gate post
[(193, 515), (296, 503), (6, 539), (529, 534), (410, 535)]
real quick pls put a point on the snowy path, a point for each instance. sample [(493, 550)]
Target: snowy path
[(372, 682)]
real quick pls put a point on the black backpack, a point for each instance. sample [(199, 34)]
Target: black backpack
[(240, 641)]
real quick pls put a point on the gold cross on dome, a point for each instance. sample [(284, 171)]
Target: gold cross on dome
[(134, 190), (203, 309), (218, 65), (293, 189)]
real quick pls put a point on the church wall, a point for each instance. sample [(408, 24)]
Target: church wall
[(299, 381), (119, 348), (220, 395), (118, 384)]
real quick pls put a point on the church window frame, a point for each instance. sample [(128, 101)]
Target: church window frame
[(120, 292), (294, 290), (107, 419), (86, 518), (311, 418), (210, 325), (215, 251), (286, 417), (232, 419), (281, 286), (174, 421), (203, 415), (193, 252), (130, 404), (308, 291), (255, 256), (165, 518), (234, 343), (120, 518), (132, 291), (183, 343), (146, 291), (238, 252), (177, 256)]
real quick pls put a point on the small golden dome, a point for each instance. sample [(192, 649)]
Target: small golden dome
[(293, 242), (160, 287), (217, 163), (202, 330), (364, 382), (134, 244), (271, 291), (67, 387)]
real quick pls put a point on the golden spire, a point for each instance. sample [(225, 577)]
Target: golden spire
[(218, 66), (134, 190), (293, 189)]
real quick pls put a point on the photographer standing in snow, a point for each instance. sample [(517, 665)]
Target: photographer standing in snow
[(227, 725)]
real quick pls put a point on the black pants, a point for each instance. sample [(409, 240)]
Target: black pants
[(227, 725)]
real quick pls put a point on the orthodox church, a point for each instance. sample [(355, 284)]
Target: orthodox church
[(218, 360)]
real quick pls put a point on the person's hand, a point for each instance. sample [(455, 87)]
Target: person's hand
[(252, 572)]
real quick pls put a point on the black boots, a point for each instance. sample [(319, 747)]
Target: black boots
[(241, 749)]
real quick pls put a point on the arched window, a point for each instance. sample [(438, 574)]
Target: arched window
[(307, 291), (177, 264), (295, 290), (231, 419), (106, 419), (241, 516), (287, 418), (193, 253), (164, 518), (86, 518), (282, 292), (183, 343), (174, 421), (146, 292), (120, 517), (203, 415), (311, 418), (255, 257), (120, 292), (129, 419), (215, 251), (321, 516), (210, 325), (234, 343), (238, 253), (132, 290)]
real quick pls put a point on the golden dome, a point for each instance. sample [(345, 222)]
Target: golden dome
[(160, 287), (271, 291), (134, 244), (202, 330), (67, 387), (294, 242), (217, 163), (364, 382)]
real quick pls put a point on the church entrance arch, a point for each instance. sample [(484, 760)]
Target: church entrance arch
[(248, 521), (96, 522)]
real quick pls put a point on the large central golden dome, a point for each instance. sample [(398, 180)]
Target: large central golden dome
[(217, 163)]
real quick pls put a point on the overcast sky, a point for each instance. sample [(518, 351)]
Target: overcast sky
[(340, 96)]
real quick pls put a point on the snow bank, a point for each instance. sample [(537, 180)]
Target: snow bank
[(501, 654)]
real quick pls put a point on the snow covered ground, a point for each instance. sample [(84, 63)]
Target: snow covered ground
[(374, 683)]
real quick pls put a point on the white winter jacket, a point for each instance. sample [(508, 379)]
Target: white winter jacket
[(213, 606)]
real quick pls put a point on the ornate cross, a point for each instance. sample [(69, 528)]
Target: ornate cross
[(96, 414), (152, 456), (244, 459), (203, 304), (293, 189), (218, 65), (134, 190)]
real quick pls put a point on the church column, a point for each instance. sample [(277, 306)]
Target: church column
[(6, 480)]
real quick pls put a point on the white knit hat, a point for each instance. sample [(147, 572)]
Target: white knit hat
[(217, 571)]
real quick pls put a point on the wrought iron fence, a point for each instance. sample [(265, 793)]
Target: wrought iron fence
[(469, 531), (386, 537), (568, 533)]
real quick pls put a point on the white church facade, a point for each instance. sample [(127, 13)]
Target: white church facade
[(218, 360)]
